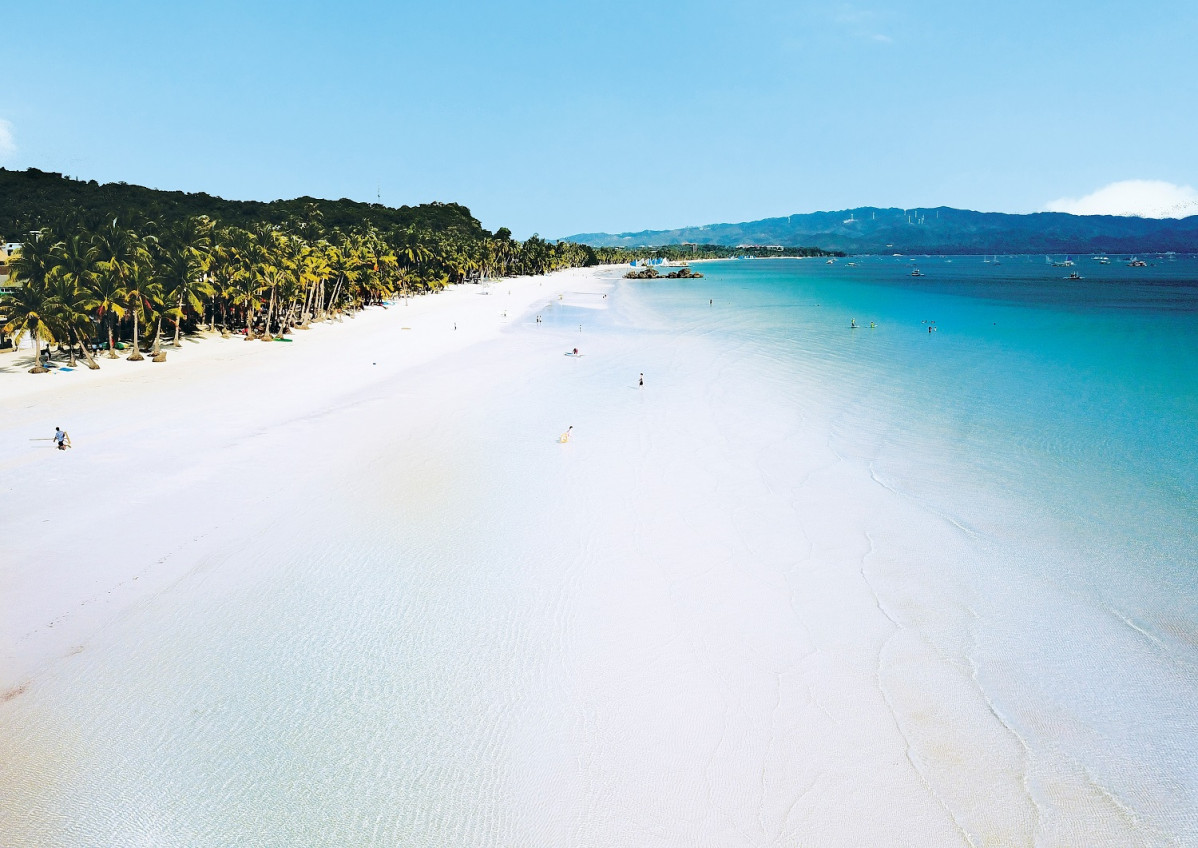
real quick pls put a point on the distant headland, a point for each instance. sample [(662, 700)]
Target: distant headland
[(942, 230)]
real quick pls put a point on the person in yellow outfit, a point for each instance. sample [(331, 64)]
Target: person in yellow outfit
[(565, 437)]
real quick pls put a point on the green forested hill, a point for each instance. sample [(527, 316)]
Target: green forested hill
[(32, 199)]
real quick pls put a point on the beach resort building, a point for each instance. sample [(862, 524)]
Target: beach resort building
[(7, 249)]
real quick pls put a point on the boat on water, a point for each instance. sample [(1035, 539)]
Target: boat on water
[(1066, 263), (1137, 263), (830, 262), (915, 272), (1075, 276)]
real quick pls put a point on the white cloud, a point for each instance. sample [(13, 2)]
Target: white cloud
[(7, 146), (1140, 198)]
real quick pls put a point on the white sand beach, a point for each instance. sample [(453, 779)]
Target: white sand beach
[(353, 591), (93, 530)]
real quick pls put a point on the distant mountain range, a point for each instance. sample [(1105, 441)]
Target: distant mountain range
[(939, 230)]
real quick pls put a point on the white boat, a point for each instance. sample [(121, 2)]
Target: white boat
[(916, 273)]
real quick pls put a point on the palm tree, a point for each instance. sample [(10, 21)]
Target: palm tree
[(142, 289), (69, 286), (312, 268), (184, 261), (185, 285), (71, 313), (30, 312), (106, 298), (410, 248), (117, 250)]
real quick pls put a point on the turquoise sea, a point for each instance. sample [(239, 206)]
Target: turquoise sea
[(1052, 422)]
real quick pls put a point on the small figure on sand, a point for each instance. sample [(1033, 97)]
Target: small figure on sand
[(565, 437), (642, 383), (61, 439), (575, 351)]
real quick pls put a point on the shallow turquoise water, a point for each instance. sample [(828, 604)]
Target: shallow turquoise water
[(1053, 422), (1078, 399)]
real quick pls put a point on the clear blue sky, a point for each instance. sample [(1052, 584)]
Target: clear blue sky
[(581, 116)]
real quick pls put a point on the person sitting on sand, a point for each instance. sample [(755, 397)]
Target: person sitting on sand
[(565, 437)]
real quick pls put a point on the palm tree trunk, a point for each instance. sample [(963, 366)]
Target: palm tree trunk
[(306, 315), (270, 314), (136, 355), (111, 338), (336, 291), (91, 363), (157, 336), (178, 321), (37, 355)]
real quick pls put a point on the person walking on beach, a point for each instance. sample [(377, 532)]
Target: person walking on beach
[(642, 379), (565, 437), (61, 440)]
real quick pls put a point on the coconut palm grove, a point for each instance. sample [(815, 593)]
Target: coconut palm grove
[(111, 268)]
